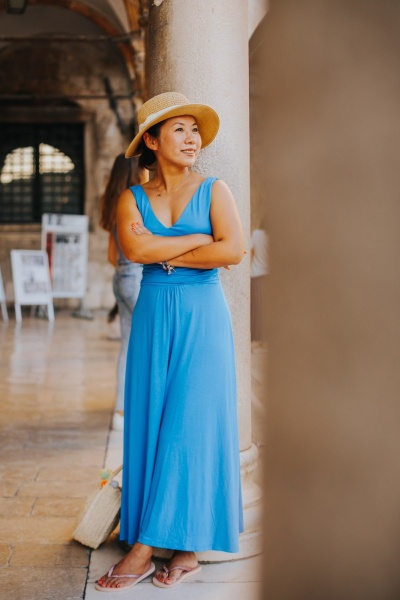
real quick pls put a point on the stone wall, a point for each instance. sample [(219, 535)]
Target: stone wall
[(70, 70)]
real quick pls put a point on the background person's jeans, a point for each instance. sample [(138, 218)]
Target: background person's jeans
[(126, 285)]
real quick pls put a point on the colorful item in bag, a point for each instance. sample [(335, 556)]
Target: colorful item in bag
[(104, 475)]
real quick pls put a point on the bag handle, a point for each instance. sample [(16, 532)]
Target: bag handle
[(114, 473)]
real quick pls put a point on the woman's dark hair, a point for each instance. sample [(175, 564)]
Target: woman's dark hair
[(147, 157), (124, 173)]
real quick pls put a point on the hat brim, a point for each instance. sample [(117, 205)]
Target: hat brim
[(206, 118)]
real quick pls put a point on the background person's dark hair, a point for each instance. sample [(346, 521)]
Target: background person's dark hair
[(147, 157), (124, 173)]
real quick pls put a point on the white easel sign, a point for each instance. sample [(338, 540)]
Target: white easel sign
[(31, 280), (65, 239)]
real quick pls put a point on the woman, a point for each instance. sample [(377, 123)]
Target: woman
[(127, 275), (181, 478)]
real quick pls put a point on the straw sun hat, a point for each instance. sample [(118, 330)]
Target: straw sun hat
[(172, 104)]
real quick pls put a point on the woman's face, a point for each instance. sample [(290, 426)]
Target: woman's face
[(179, 141)]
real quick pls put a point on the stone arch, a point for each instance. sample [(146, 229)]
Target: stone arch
[(97, 17)]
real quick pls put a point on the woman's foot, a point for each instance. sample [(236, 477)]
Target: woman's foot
[(136, 562), (179, 558)]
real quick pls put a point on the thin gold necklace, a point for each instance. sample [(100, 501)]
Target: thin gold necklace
[(175, 188)]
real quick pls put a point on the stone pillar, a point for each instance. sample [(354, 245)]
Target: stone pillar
[(201, 50), (329, 91)]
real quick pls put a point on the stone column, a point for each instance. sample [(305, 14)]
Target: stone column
[(201, 50)]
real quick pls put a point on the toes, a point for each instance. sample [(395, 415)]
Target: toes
[(162, 574), (173, 577), (119, 583), (107, 583)]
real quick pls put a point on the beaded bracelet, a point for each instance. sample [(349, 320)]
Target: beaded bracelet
[(167, 267)]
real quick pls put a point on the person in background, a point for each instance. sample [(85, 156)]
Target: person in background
[(127, 275), (114, 326), (258, 286)]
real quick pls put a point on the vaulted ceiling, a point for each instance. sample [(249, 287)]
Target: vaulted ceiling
[(119, 21)]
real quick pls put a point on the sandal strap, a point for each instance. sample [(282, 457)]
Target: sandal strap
[(128, 576), (182, 568)]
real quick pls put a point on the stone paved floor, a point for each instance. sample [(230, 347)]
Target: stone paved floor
[(57, 391)]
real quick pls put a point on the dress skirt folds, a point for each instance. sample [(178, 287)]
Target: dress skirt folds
[(181, 479)]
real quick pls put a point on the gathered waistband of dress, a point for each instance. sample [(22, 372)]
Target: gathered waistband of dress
[(178, 282), (181, 275)]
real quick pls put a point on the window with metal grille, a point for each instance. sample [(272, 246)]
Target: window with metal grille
[(41, 170)]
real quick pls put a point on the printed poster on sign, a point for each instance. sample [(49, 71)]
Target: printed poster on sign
[(31, 281), (32, 269), (65, 239), (32, 276)]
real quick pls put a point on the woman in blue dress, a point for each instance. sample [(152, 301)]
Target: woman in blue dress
[(181, 478)]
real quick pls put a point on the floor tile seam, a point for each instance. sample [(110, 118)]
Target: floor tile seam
[(32, 506), (11, 553)]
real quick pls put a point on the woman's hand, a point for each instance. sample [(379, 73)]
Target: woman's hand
[(138, 228)]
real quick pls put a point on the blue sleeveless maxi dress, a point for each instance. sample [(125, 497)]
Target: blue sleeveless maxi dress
[(181, 478)]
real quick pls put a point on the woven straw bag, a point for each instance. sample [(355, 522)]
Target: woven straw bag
[(100, 514)]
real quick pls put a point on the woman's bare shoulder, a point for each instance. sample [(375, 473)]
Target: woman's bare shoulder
[(127, 195), (127, 200), (221, 188)]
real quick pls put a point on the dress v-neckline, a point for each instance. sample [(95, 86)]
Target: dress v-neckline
[(182, 213)]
